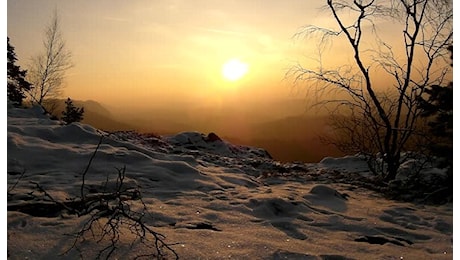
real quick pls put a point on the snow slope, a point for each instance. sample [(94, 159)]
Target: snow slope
[(209, 198)]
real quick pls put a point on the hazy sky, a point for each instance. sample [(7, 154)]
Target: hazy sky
[(147, 52), (151, 51)]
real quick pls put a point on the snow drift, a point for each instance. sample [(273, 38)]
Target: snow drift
[(209, 198)]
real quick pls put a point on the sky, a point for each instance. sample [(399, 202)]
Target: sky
[(144, 52), (140, 52)]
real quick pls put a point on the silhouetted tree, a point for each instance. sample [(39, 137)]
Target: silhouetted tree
[(48, 68), (382, 120), (72, 113), (16, 77)]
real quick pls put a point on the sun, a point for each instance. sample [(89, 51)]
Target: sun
[(234, 69)]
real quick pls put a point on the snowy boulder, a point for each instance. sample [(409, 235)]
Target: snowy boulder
[(327, 197), (348, 163), (186, 138), (213, 144), (425, 171), (325, 192)]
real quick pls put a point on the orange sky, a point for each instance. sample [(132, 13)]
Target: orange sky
[(150, 51), (143, 52)]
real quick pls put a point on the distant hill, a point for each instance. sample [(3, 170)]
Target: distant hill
[(95, 114), (294, 138)]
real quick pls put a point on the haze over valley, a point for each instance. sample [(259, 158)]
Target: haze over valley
[(288, 129)]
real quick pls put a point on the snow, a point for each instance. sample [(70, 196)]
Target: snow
[(211, 199), (348, 163)]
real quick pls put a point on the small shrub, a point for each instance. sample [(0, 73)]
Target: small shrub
[(72, 113)]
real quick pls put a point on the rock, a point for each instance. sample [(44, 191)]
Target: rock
[(212, 137)]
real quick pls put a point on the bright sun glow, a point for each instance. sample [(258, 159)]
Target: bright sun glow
[(234, 69)]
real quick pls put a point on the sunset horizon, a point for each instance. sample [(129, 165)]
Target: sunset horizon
[(199, 65)]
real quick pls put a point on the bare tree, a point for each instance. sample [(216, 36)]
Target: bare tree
[(48, 68), (370, 117)]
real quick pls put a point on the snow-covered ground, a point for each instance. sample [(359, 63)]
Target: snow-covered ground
[(210, 199)]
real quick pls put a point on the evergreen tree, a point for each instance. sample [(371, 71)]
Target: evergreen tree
[(71, 113), (438, 106), (16, 77)]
